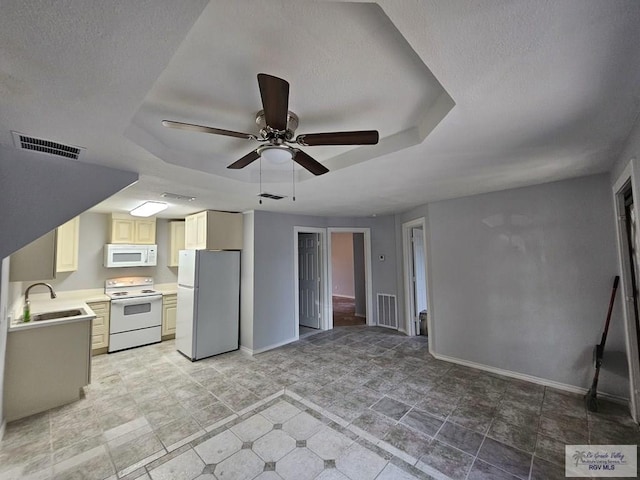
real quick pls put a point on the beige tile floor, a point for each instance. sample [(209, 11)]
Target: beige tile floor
[(352, 403)]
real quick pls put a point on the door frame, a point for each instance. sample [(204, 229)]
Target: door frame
[(367, 272), (407, 257), (630, 334), (325, 303)]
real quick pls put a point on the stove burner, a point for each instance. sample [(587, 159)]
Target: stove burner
[(148, 291), (119, 294)]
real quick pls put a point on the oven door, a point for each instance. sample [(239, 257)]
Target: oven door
[(135, 313)]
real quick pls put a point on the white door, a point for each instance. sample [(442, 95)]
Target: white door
[(309, 279)]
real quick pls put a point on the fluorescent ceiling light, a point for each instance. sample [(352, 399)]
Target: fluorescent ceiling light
[(148, 208)]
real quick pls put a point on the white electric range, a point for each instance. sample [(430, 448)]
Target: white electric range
[(136, 312)]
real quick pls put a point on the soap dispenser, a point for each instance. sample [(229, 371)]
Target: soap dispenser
[(26, 311)]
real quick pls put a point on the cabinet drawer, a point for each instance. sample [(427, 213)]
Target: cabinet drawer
[(99, 322), (170, 300)]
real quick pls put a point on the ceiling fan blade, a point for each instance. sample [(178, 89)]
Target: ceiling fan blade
[(244, 161), (309, 163), (203, 129), (275, 100), (362, 137)]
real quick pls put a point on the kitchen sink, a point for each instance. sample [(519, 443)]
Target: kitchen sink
[(75, 312)]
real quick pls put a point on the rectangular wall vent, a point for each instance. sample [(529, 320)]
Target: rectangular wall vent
[(271, 196), (387, 311), (25, 142)]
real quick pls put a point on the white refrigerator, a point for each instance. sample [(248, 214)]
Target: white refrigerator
[(208, 316)]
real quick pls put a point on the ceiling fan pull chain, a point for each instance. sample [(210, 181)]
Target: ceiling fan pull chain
[(293, 180), (260, 192)]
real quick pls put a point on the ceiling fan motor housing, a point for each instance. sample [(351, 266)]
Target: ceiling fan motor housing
[(269, 133)]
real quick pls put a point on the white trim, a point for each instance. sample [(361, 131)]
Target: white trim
[(350, 297), (275, 345), (325, 300), (407, 262), (528, 378), (246, 350), (630, 333), (367, 270), (2, 429)]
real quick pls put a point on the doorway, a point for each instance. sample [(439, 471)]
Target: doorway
[(418, 318), (349, 277), (628, 258), (348, 294)]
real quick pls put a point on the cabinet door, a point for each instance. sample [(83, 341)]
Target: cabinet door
[(191, 232), (122, 230), (35, 261), (177, 242), (145, 231), (100, 325), (67, 246), (169, 312), (224, 231), (201, 231)]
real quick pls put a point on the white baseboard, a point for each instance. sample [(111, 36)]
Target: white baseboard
[(271, 347), (529, 378), (2, 428)]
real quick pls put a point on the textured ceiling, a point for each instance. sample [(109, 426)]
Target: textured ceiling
[(469, 96)]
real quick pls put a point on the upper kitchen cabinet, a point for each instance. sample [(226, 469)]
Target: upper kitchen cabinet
[(213, 230), (176, 242), (131, 230), (67, 246), (42, 259)]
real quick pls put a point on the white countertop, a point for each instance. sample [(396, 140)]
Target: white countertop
[(47, 305), (41, 302)]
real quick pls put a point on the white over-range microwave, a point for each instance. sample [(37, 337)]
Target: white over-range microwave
[(119, 255)]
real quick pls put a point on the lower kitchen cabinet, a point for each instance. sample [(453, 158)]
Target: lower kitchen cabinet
[(169, 312), (100, 329), (46, 366)]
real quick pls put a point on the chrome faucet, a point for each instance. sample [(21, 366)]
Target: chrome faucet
[(26, 293), (26, 313)]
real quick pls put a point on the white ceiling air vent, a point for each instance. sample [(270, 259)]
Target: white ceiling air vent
[(26, 142), (175, 196), (271, 196)]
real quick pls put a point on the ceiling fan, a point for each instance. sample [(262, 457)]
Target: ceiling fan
[(277, 130)]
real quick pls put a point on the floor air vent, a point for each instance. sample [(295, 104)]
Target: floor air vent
[(25, 142), (387, 311), (271, 196)]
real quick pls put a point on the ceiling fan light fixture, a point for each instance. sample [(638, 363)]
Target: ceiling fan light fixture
[(276, 154)]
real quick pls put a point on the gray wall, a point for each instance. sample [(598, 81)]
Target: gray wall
[(521, 281), (94, 234), (274, 283), (40, 192), (631, 150)]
